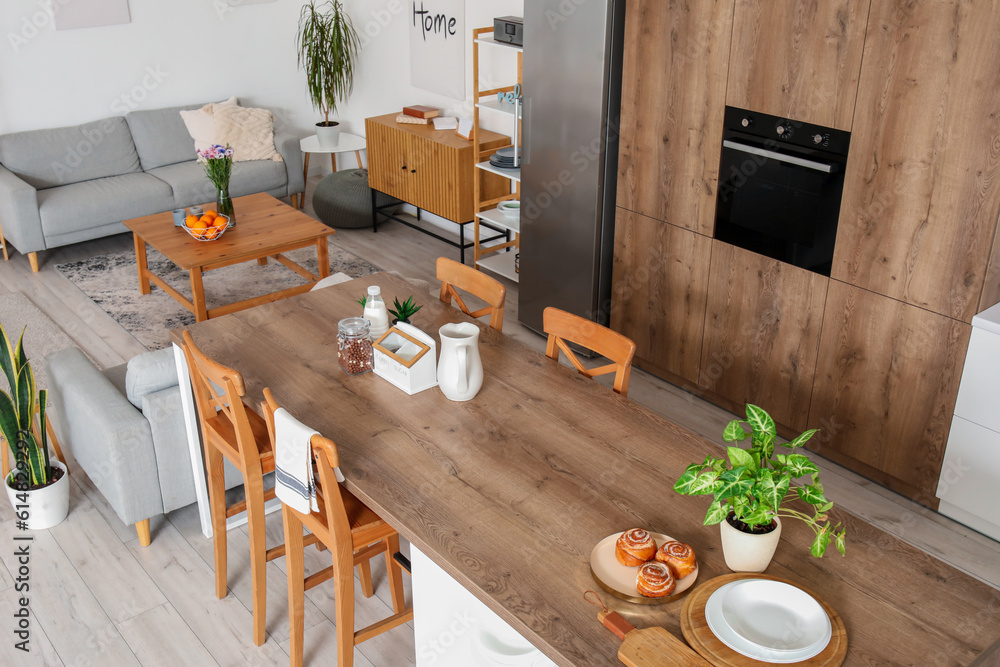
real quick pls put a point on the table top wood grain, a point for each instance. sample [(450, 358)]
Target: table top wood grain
[(510, 491), (262, 223)]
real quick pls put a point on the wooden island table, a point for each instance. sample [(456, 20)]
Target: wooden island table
[(509, 492)]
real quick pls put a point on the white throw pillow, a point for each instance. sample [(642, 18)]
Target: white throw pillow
[(250, 133), (200, 123)]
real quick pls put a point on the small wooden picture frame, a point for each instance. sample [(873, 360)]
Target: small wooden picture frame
[(464, 128)]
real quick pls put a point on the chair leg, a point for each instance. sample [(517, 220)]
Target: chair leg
[(365, 572), (395, 573), (254, 489), (295, 566), (142, 528), (217, 505), (344, 592)]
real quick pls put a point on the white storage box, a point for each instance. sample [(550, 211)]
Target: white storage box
[(406, 357)]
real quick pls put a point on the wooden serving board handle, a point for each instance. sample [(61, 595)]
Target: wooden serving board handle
[(649, 647)]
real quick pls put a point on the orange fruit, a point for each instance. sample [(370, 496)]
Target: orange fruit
[(219, 222), (211, 214), (206, 219), (191, 220), (211, 232), (200, 224)]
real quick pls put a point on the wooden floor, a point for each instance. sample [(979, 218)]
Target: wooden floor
[(99, 598)]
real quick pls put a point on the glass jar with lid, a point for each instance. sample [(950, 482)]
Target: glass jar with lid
[(354, 347)]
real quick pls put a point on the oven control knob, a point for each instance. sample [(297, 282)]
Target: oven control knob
[(819, 138), (747, 121), (784, 130)]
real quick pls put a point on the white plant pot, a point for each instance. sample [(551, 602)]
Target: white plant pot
[(47, 506), (746, 552), (328, 135)]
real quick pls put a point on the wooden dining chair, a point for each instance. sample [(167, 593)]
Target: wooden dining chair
[(232, 431), (454, 275), (354, 534), (564, 328)]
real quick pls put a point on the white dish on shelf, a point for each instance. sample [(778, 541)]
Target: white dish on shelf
[(511, 208), (770, 621)]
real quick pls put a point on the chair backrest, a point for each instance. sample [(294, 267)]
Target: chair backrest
[(332, 515), (218, 394), (454, 275), (564, 328)]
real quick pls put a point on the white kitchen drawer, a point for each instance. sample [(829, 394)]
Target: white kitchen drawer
[(979, 394), (970, 474)]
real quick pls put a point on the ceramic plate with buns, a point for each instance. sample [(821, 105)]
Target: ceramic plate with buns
[(651, 579)]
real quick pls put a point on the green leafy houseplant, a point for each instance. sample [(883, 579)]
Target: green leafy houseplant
[(327, 45), (756, 483), (404, 311), (29, 446)]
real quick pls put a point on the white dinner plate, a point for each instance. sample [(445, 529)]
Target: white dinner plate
[(619, 580), (768, 621)]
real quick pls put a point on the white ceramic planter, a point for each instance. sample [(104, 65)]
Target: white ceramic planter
[(48, 506), (745, 552), (328, 136)]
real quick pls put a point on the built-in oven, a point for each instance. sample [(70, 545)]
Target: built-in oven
[(780, 186)]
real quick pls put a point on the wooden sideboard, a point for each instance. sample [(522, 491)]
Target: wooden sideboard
[(430, 169)]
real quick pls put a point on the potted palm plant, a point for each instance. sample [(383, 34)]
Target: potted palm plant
[(37, 487), (753, 491), (327, 45)]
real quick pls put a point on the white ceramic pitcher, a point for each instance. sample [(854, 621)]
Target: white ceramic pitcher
[(460, 370)]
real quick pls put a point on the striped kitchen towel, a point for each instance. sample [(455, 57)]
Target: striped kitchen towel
[(293, 471)]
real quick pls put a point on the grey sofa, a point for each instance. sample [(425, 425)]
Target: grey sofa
[(72, 184), (125, 427)]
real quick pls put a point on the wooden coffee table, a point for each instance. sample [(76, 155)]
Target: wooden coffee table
[(265, 227)]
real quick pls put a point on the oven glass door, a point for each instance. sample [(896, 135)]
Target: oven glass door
[(779, 203)]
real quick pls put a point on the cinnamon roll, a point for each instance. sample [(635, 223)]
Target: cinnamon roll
[(655, 580), (679, 557), (635, 547)]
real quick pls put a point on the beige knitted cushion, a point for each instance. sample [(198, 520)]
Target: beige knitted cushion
[(200, 123), (248, 131)]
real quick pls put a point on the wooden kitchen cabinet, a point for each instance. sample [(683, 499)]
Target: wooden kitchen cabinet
[(762, 333), (798, 59), (887, 380), (673, 99), (429, 169), (659, 286), (922, 185)]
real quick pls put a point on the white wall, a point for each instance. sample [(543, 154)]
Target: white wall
[(189, 51)]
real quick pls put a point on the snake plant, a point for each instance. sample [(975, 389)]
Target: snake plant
[(29, 446)]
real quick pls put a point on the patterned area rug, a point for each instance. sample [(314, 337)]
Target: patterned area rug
[(111, 281)]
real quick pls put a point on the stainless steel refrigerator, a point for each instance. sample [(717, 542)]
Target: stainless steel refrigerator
[(572, 99)]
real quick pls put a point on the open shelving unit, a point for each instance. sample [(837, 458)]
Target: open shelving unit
[(497, 258)]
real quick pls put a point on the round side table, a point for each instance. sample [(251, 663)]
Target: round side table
[(347, 143)]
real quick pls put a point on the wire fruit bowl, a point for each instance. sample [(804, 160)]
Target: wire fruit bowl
[(209, 233)]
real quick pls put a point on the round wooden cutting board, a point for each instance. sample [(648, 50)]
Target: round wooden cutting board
[(701, 638)]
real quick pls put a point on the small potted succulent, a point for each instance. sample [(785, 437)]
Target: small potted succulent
[(402, 312), (753, 491), (37, 487)]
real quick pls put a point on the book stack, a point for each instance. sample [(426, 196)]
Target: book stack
[(417, 115)]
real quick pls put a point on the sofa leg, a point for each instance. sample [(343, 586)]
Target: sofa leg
[(33, 260), (295, 202), (142, 528)]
